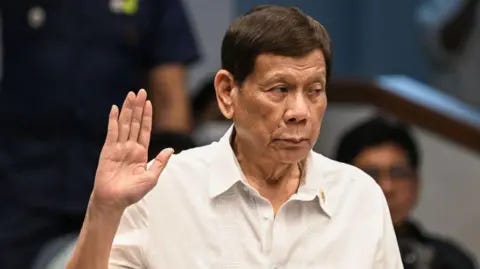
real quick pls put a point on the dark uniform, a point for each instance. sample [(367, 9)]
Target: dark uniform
[(423, 251), (65, 63)]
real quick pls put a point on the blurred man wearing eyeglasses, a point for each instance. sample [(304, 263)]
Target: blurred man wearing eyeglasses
[(388, 153)]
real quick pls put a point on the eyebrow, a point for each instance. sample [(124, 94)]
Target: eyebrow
[(284, 77)]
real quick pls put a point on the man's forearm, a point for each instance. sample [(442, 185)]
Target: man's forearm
[(171, 106), (95, 240)]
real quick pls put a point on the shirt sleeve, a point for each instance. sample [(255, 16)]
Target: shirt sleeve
[(171, 39), (130, 238), (388, 253)]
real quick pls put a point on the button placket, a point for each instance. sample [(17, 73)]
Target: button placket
[(266, 224)]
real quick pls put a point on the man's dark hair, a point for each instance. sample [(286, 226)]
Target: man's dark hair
[(374, 132), (285, 31)]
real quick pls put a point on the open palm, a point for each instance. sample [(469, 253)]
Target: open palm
[(122, 177)]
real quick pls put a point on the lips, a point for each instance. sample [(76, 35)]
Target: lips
[(292, 140)]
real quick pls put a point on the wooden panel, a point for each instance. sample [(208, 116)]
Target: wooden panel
[(414, 103)]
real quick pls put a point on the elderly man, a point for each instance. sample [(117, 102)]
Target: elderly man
[(258, 198)]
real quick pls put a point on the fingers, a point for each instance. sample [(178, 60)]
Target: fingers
[(112, 129), (146, 125), (138, 107), (160, 162), (134, 122), (125, 118)]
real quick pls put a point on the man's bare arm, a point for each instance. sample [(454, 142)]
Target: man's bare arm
[(122, 178), (171, 106)]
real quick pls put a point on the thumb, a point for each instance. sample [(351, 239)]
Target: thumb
[(160, 162)]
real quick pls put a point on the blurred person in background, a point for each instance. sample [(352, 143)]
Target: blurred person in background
[(450, 30), (386, 151), (64, 63), (209, 123)]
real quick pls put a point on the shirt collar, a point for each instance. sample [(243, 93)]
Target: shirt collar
[(316, 184), (225, 170)]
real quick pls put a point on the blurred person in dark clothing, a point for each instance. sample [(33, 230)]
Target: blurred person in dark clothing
[(386, 151), (64, 63)]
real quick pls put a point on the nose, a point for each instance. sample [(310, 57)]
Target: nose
[(298, 109), (386, 183)]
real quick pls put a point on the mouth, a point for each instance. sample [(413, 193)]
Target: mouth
[(293, 141)]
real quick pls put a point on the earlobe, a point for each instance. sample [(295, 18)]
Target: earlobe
[(224, 87)]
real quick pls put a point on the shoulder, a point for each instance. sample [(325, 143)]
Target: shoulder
[(190, 165), (186, 171), (345, 174), (194, 158), (349, 185)]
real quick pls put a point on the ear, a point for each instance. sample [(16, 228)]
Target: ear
[(225, 88)]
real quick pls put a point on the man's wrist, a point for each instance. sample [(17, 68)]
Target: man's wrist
[(97, 209)]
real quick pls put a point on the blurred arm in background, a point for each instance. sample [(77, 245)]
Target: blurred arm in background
[(450, 33), (172, 48), (170, 99)]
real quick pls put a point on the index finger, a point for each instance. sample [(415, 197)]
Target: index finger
[(112, 129)]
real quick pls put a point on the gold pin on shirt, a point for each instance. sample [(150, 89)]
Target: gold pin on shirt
[(322, 196)]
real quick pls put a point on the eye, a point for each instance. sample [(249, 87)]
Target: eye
[(280, 89), (278, 93), (315, 91), (372, 171), (401, 172)]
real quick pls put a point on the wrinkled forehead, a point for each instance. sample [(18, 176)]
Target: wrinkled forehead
[(382, 155), (310, 66)]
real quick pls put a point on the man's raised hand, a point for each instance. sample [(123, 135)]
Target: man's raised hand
[(122, 177)]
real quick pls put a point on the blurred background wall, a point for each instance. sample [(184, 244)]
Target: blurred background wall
[(370, 37)]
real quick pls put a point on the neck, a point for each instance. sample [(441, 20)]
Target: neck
[(275, 181)]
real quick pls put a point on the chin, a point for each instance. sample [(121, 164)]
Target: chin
[(292, 156)]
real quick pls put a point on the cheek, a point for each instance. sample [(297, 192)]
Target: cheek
[(412, 197), (406, 194), (318, 112), (320, 108), (263, 112), (258, 118)]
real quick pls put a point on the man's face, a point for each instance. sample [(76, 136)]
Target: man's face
[(388, 164), (279, 108)]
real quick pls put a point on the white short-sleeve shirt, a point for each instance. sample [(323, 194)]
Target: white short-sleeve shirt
[(203, 214)]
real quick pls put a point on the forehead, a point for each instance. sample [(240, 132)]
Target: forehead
[(311, 64), (385, 154)]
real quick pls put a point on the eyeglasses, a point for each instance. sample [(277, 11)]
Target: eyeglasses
[(393, 172)]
